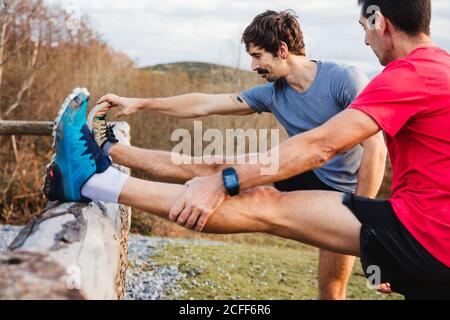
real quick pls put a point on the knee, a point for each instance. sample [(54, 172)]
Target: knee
[(265, 196), (264, 203), (265, 192)]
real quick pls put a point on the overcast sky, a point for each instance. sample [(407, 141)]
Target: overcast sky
[(163, 31)]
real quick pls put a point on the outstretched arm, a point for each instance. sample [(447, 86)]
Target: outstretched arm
[(187, 106)]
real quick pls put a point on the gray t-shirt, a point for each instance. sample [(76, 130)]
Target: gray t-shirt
[(333, 90)]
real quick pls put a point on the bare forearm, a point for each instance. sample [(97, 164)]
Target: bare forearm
[(371, 174), (183, 106), (373, 162), (311, 149), (159, 165), (196, 105), (296, 155)]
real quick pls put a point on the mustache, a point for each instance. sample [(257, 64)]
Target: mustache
[(262, 71)]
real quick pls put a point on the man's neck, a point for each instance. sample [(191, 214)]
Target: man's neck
[(406, 45), (302, 73)]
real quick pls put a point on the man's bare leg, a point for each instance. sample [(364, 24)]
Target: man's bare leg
[(334, 269), (317, 218), (334, 272), (158, 165)]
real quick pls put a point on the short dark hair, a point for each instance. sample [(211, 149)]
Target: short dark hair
[(270, 28), (410, 16)]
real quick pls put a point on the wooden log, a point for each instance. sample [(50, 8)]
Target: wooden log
[(71, 251), (45, 281)]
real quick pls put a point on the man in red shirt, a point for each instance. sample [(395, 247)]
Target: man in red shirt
[(403, 242)]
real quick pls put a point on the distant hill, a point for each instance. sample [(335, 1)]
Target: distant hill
[(190, 66), (214, 74)]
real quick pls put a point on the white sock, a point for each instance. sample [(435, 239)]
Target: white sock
[(105, 186)]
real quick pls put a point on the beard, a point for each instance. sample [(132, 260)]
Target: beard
[(266, 75)]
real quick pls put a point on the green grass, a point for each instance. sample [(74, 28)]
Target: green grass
[(243, 271)]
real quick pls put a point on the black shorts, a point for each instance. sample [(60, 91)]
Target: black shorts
[(402, 261), (305, 181)]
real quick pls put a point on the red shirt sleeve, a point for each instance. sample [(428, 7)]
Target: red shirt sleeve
[(393, 97)]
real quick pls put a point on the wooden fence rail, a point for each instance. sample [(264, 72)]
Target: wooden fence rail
[(33, 128)]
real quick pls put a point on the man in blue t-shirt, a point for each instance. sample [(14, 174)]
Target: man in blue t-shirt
[(302, 94)]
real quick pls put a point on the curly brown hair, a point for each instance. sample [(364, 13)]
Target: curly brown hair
[(270, 28)]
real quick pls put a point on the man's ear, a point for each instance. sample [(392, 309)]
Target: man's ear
[(283, 51), (390, 28)]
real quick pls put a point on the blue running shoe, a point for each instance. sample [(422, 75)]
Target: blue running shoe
[(78, 156)]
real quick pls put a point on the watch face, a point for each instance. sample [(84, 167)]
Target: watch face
[(229, 179), (231, 182)]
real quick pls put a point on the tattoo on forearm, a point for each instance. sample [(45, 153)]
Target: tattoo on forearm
[(238, 99)]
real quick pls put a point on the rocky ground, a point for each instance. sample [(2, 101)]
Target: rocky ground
[(148, 280)]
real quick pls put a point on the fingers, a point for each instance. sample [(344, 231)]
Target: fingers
[(192, 219), (110, 98), (187, 216), (201, 223), (176, 209), (184, 215)]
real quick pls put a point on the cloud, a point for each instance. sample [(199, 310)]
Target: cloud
[(156, 31)]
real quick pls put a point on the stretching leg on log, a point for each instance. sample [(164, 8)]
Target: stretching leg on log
[(261, 209)]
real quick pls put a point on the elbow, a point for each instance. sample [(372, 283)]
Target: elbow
[(199, 112), (196, 108), (324, 154)]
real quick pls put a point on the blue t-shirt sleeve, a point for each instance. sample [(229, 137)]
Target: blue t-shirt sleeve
[(351, 82), (259, 98)]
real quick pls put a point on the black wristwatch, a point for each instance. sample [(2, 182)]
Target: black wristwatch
[(230, 181)]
